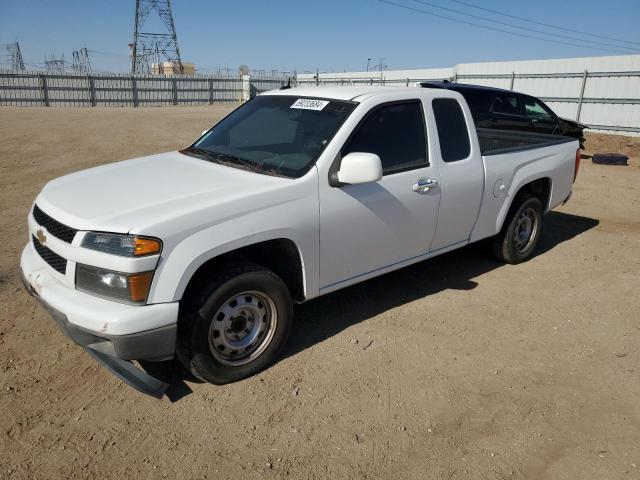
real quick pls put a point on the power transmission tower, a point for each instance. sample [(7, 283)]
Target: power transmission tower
[(81, 63), (381, 66), (161, 46), (53, 64), (14, 56)]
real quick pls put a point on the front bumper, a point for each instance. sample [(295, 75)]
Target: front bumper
[(94, 346), (120, 338), (130, 332), (154, 345)]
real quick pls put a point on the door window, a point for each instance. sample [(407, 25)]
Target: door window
[(452, 129), (396, 134), (478, 102), (506, 104), (534, 110)]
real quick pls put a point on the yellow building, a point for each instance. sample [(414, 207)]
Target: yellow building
[(171, 68)]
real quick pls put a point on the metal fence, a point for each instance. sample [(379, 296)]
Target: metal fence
[(261, 83), (372, 80), (25, 88), (601, 92)]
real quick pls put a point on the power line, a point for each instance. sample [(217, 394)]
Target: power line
[(542, 23), (521, 27), (98, 52), (407, 7), (38, 66)]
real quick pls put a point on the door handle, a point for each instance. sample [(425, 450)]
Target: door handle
[(423, 185)]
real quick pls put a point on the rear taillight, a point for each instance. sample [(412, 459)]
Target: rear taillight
[(578, 156)]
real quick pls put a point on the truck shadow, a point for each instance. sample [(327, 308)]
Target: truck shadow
[(324, 317), (328, 315)]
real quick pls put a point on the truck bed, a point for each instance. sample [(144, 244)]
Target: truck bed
[(495, 142), (517, 158)]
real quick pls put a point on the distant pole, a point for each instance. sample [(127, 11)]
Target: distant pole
[(582, 87), (135, 66), (368, 61)]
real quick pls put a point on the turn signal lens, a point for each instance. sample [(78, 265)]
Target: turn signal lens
[(146, 246), (139, 284)]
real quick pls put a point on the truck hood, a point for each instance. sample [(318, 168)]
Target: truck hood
[(133, 195)]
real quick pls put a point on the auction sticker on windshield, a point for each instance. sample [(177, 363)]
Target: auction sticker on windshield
[(310, 104)]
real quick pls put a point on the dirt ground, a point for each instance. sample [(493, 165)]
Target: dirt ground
[(458, 367)]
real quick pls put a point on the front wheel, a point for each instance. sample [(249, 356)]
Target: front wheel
[(236, 326), (520, 233)]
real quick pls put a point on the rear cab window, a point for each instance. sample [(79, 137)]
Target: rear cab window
[(452, 129)]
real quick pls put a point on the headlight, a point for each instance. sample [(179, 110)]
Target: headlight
[(130, 288), (123, 245)]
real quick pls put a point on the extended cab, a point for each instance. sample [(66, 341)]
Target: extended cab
[(297, 193)]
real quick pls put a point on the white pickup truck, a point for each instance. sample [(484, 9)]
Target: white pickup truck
[(299, 192)]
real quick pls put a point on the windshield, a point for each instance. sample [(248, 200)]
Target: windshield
[(274, 134)]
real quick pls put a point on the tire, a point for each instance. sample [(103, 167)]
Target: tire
[(235, 325), (520, 232)]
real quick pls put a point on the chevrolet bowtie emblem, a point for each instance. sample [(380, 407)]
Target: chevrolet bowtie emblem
[(42, 238)]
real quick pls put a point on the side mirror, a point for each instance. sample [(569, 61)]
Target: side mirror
[(360, 167)]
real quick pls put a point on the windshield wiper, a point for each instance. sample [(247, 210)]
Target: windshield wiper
[(199, 151), (229, 160), (218, 157), (255, 167)]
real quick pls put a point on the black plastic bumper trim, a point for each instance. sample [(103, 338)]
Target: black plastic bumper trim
[(130, 374)]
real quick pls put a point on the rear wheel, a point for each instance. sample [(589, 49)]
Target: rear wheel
[(237, 324), (520, 233)]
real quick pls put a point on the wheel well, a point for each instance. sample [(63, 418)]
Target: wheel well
[(280, 256), (540, 188)]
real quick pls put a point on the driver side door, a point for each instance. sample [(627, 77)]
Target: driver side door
[(369, 228)]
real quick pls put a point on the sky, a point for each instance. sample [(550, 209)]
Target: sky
[(328, 35)]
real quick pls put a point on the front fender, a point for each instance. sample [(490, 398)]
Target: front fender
[(292, 222)]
